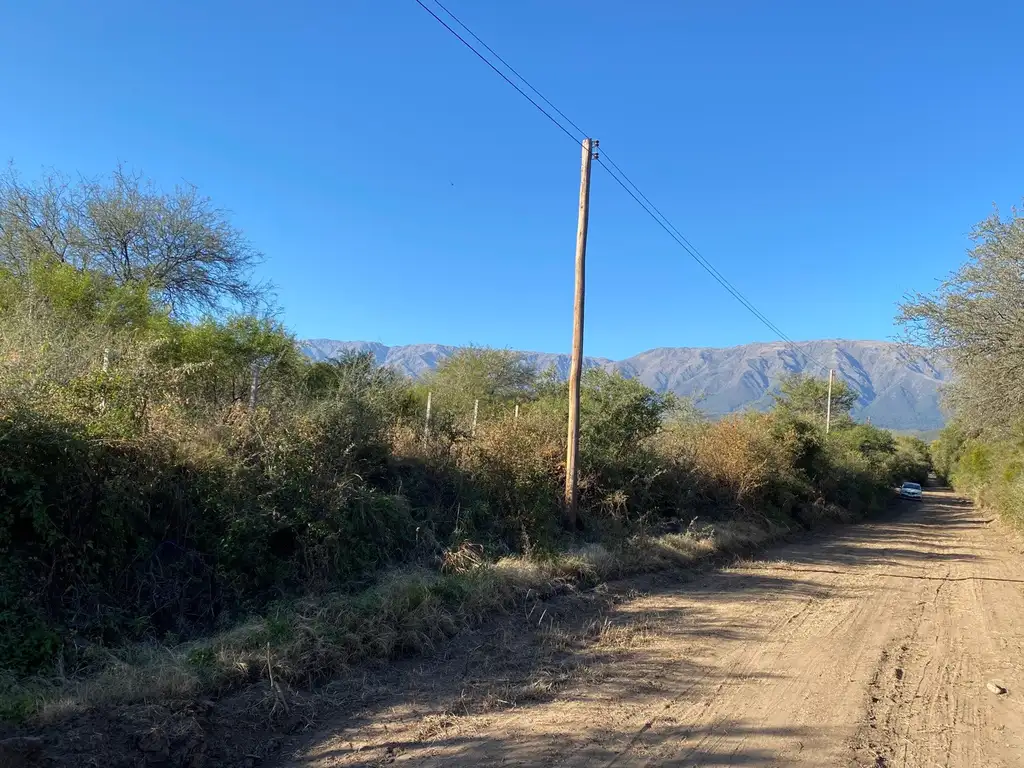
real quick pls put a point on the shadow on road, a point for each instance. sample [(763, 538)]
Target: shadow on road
[(613, 646), (474, 751)]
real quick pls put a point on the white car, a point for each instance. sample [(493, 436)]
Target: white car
[(910, 491)]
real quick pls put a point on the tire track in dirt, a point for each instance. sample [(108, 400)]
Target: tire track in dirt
[(868, 646), (966, 636)]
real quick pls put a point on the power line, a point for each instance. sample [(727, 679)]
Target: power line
[(666, 225), (663, 221), (625, 182), (689, 247), (505, 77), (512, 69), (652, 210)]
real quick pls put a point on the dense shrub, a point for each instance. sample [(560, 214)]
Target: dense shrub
[(989, 469), (82, 523), (973, 321), (122, 534), (163, 474)]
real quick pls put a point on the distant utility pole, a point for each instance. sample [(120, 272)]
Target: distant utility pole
[(476, 412), (576, 365), (828, 408), (426, 424)]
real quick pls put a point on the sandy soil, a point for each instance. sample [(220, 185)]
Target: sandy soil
[(896, 642)]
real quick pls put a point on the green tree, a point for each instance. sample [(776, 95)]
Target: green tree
[(224, 356), (177, 245), (498, 378), (912, 460), (356, 376), (79, 298), (807, 398), (976, 320), (947, 449), (617, 414), (870, 440)]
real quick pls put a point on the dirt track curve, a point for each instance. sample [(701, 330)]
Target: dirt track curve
[(871, 645)]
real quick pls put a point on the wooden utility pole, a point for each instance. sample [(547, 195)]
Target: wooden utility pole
[(426, 424), (576, 365), (476, 412), (828, 408)]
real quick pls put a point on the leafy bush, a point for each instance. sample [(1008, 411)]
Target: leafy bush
[(163, 474)]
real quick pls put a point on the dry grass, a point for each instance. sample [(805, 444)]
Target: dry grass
[(622, 636), (407, 611), (604, 635)]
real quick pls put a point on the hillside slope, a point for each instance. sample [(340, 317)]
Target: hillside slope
[(896, 390)]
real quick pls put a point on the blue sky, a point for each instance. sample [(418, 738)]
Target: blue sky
[(826, 157)]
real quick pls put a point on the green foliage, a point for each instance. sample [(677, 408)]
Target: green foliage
[(357, 376), (301, 503), (222, 357), (498, 378), (78, 513), (991, 470), (164, 472), (913, 460), (876, 446), (807, 398), (974, 321), (946, 450), (175, 247), (617, 414)]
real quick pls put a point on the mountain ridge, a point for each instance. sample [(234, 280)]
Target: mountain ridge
[(896, 388)]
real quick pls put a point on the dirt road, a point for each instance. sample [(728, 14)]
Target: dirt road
[(872, 645)]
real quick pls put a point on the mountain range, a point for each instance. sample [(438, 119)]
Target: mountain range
[(897, 388)]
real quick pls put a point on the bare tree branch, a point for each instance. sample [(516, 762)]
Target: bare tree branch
[(178, 245), (976, 320)]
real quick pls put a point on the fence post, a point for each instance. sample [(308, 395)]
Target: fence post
[(254, 386)]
